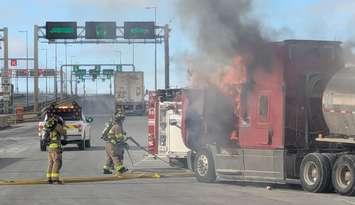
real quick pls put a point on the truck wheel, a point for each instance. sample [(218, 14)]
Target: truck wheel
[(315, 174), (87, 143), (343, 177), (331, 158), (204, 167), (81, 145), (42, 146)]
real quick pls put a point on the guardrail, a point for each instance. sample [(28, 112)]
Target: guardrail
[(7, 119), (4, 121)]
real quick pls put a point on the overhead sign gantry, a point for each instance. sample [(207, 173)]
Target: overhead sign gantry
[(95, 32)]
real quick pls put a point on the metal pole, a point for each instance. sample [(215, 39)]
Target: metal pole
[(71, 76), (5, 79), (35, 56), (76, 85), (111, 86), (26, 32), (61, 82), (66, 69), (120, 57), (17, 81), (166, 56), (155, 46), (56, 71), (133, 52), (46, 75), (155, 50), (84, 88), (96, 86), (27, 103)]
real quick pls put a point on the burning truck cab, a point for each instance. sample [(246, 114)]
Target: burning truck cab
[(286, 123)]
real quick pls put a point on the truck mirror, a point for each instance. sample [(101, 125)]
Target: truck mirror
[(89, 119)]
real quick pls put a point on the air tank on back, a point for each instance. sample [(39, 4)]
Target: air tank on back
[(339, 102)]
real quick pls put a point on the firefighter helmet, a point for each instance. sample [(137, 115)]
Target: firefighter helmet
[(119, 116), (51, 111)]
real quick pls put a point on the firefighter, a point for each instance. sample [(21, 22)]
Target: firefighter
[(54, 129), (114, 136)]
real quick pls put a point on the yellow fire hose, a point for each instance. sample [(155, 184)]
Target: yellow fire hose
[(125, 176)]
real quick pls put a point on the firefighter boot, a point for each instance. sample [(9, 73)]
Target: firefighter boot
[(106, 170), (123, 170), (57, 182)]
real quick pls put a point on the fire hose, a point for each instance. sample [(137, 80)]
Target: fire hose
[(71, 180), (155, 156), (125, 176)]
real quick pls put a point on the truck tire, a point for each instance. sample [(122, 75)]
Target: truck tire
[(331, 158), (343, 175), (81, 145), (42, 146), (87, 143), (315, 173), (204, 167)]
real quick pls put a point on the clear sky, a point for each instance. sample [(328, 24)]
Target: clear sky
[(282, 19)]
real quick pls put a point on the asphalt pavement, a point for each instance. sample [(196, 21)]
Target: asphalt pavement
[(20, 157)]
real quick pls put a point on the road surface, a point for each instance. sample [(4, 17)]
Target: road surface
[(20, 158)]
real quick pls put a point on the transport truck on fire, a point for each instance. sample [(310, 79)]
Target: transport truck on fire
[(291, 122), (164, 126), (129, 92)]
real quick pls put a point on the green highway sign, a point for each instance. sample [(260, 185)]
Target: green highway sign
[(49, 72), (107, 72), (100, 30), (119, 68), (139, 30), (80, 72), (97, 69), (61, 30), (32, 72), (76, 68)]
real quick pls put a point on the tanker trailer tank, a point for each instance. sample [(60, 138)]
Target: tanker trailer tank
[(339, 104)]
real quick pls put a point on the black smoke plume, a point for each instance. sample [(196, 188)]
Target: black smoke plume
[(225, 28)]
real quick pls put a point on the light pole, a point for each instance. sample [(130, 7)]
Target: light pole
[(71, 75), (45, 49), (155, 45), (56, 71), (26, 32), (66, 69), (120, 52)]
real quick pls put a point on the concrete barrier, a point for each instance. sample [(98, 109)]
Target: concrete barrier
[(4, 121)]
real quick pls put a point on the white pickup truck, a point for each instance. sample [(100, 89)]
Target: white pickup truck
[(76, 125)]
